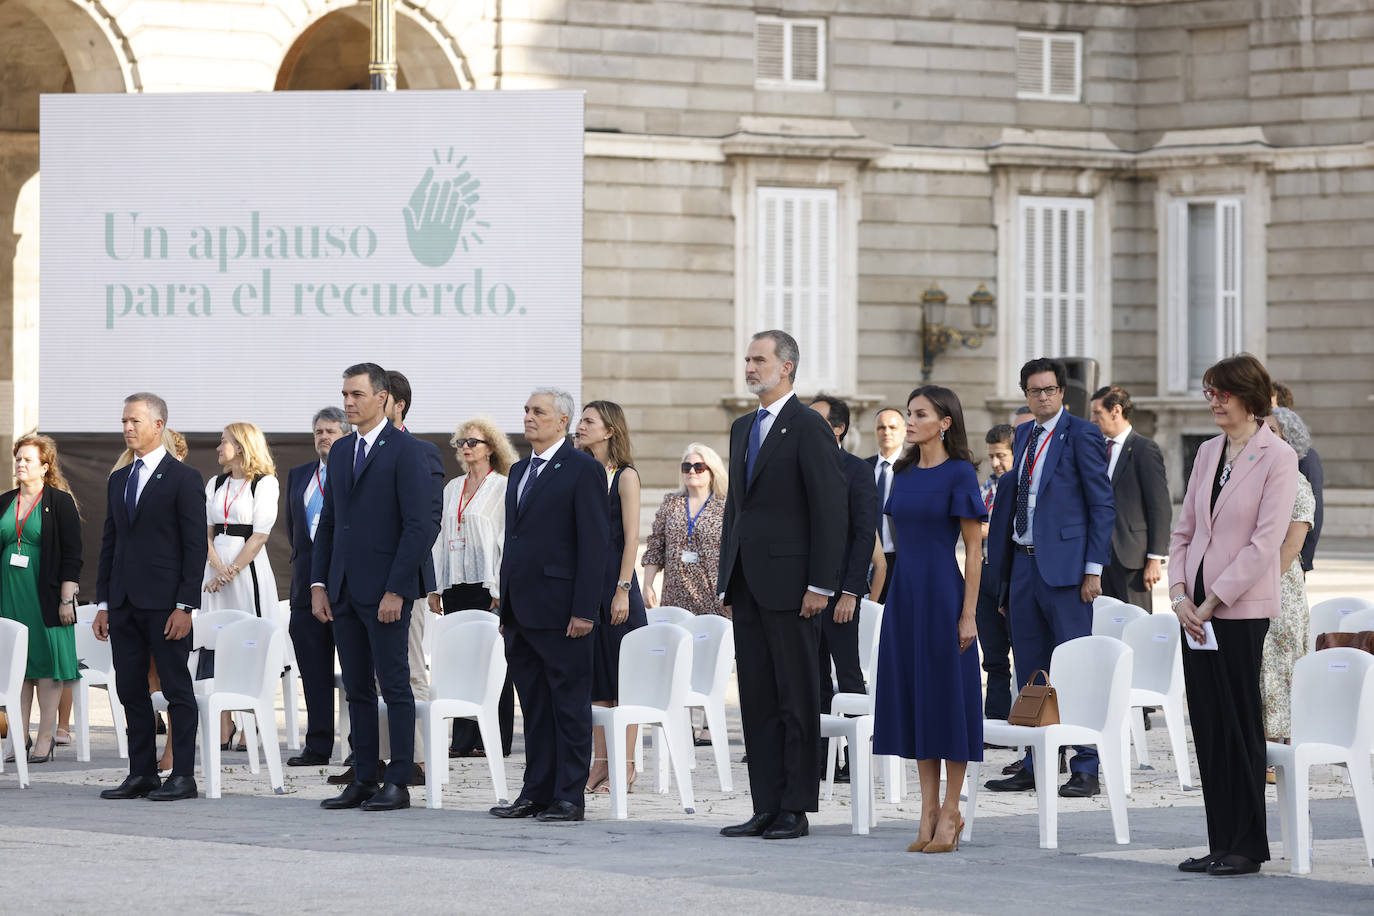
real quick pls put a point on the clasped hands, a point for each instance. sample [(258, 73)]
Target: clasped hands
[(388, 611)]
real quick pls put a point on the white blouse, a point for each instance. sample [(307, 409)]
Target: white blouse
[(245, 506), (471, 552)]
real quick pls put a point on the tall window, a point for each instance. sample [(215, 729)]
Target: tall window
[(789, 53), (1049, 65), (1205, 296), (796, 275), (1055, 277)]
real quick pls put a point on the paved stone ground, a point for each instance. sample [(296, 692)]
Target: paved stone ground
[(253, 852)]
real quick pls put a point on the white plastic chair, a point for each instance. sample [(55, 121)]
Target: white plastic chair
[(860, 704), (248, 661), (858, 732), (467, 671), (667, 613), (1157, 680), (1333, 723), (1325, 616), (290, 681), (655, 676), (1358, 621), (14, 661), (99, 672), (1111, 616), (1092, 680), (205, 629), (713, 656)]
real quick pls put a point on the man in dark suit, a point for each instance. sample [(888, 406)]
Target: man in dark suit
[(889, 432), (839, 638), (1140, 489), (312, 639), (378, 524), (782, 549), (151, 559), (557, 539), (1048, 538)]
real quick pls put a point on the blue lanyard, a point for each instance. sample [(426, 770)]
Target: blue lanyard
[(692, 519)]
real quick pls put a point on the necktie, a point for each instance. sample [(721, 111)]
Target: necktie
[(535, 464), (755, 443), (316, 504), (358, 458), (883, 479), (131, 489), (1023, 486), (1110, 444)]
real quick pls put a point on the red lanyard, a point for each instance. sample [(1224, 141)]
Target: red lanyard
[(229, 502), (19, 522), (1036, 457), (319, 483), (463, 505)]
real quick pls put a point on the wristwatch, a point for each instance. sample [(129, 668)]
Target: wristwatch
[(625, 585)]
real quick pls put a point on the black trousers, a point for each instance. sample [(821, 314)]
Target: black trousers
[(367, 647), (779, 698), (466, 737), (994, 638), (553, 673), (1126, 584), (887, 582), (314, 645), (839, 642), (136, 635), (1228, 730)]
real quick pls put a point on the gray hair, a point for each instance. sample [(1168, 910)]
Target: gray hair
[(785, 346), (332, 415), (1294, 430), (156, 406), (562, 402)]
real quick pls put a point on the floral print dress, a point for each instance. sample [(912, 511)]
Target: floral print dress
[(1286, 641)]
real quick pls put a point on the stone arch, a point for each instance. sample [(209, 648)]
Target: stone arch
[(95, 47), (330, 51)]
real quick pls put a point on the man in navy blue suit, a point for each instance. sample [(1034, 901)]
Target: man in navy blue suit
[(312, 639), (151, 559), (557, 538), (1048, 538), (379, 521)]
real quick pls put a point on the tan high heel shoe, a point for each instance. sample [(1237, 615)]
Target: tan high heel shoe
[(946, 847), (592, 787), (920, 845)]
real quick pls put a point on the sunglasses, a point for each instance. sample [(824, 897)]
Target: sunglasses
[(472, 443), (1211, 394), (689, 467)]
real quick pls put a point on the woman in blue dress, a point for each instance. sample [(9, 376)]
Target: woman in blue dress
[(928, 693)]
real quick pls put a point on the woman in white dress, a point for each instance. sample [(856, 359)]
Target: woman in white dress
[(241, 508)]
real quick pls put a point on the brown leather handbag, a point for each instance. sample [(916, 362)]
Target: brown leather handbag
[(1036, 704), (1361, 640)]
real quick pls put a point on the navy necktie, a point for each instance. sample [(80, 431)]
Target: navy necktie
[(358, 458), (533, 475), (755, 443), (882, 497), (131, 489), (1023, 486)]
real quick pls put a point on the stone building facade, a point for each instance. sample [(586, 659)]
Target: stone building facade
[(1148, 184)]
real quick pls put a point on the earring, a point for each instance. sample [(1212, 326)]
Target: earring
[(942, 435)]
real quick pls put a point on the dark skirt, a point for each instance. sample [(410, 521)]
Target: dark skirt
[(606, 651)]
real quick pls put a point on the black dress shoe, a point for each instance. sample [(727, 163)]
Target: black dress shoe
[(788, 825), (842, 773), (561, 811), (132, 787), (1013, 767), (522, 807), (1080, 785), (351, 797), (174, 788), (1231, 866), (308, 758), (390, 797), (417, 775), (755, 826), (1197, 866), (350, 775), (1020, 781)]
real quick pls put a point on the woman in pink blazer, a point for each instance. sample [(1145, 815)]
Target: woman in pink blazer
[(1224, 570)]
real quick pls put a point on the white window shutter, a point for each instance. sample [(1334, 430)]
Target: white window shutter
[(1064, 67), (1056, 277), (805, 52), (796, 290), (1030, 64), (1049, 65), (1229, 293), (1177, 293), (768, 50)]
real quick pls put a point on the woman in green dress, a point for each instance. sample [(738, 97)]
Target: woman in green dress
[(40, 562)]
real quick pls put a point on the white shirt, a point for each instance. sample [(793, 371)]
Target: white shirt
[(1037, 473), (1119, 441), (145, 473), (528, 480), (883, 527), (370, 438)]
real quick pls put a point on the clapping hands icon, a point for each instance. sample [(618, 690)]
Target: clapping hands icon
[(439, 212)]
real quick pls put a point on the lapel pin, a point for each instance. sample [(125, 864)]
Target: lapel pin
[(1252, 458), (557, 466), (381, 442), (159, 477), (784, 430)]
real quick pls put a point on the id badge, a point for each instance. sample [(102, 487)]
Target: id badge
[(457, 543), (689, 556), (18, 559)]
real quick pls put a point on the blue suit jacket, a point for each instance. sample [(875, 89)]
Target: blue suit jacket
[(154, 560), (377, 532), (298, 533), (556, 544), (1074, 510)]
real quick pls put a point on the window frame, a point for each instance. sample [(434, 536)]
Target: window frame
[(1231, 316), (788, 82), (1035, 345), (1046, 38)]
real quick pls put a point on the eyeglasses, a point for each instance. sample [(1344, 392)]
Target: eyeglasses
[(472, 443), (1211, 394), (694, 467), (1044, 392)]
